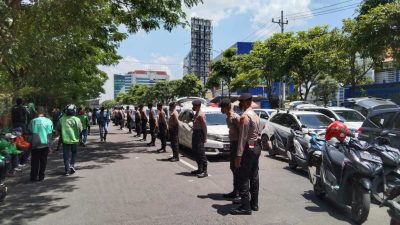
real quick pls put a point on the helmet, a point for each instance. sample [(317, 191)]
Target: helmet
[(336, 130), (70, 110)]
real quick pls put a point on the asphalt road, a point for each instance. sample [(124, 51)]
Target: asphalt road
[(125, 182)]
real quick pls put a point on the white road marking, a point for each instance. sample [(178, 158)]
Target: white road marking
[(137, 157), (190, 180)]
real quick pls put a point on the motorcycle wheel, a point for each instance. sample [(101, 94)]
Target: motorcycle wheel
[(361, 200), (319, 190), (292, 160), (377, 187)]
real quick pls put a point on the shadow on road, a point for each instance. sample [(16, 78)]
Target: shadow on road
[(214, 196), (326, 205), (224, 210), (27, 201)]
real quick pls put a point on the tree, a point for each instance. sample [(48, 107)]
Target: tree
[(354, 65), (377, 31), (325, 89), (190, 85), (223, 69), (50, 50), (108, 104), (312, 57)]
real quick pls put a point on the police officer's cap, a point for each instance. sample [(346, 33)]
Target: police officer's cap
[(159, 105), (224, 103), (196, 102), (245, 96)]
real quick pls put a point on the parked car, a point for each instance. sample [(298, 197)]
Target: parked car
[(368, 104), (265, 113), (217, 137), (352, 118), (382, 120), (278, 128)]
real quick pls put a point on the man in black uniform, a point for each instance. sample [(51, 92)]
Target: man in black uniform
[(161, 126), (199, 137), (152, 123), (138, 123), (173, 125), (232, 120), (144, 121), (247, 156)]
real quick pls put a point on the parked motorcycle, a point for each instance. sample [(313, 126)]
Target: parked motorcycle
[(345, 173), (299, 146), (392, 201), (317, 144), (390, 176)]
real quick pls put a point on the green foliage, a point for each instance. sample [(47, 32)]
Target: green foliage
[(164, 91), (50, 50), (377, 32), (108, 104), (223, 69), (325, 89)]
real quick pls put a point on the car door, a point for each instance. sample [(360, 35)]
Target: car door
[(185, 129), (282, 130), (374, 125), (394, 133)]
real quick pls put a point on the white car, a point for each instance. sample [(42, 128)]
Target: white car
[(218, 132), (352, 118), (265, 113)]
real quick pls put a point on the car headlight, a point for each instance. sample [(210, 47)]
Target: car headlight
[(216, 137)]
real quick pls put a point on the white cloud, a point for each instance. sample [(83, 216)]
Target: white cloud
[(262, 12), (217, 10)]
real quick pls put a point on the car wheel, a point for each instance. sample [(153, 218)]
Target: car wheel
[(272, 151), (266, 143)]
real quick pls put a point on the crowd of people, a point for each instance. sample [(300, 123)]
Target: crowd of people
[(33, 134), (243, 134)]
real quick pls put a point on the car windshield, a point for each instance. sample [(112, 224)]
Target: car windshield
[(350, 116), (215, 118), (314, 121)]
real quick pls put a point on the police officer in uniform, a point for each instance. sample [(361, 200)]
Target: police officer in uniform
[(152, 123), (138, 123), (232, 120), (144, 121), (247, 156), (199, 137), (173, 124), (161, 126)]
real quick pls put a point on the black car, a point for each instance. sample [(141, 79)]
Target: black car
[(382, 120), (368, 104)]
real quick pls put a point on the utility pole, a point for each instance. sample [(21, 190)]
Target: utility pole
[(282, 24)]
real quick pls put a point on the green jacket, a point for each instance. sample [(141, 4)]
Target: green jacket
[(84, 120), (70, 128)]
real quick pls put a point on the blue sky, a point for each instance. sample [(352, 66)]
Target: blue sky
[(233, 20)]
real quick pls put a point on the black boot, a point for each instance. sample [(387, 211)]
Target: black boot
[(240, 211), (203, 172)]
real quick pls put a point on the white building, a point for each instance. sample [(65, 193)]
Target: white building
[(122, 83)]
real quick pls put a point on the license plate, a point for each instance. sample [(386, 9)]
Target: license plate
[(369, 157), (227, 147)]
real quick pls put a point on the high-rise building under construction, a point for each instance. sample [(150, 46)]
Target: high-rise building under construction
[(197, 60)]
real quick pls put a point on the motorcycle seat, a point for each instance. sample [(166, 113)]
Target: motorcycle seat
[(336, 157)]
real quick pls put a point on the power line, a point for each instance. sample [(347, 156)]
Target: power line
[(257, 32), (322, 13), (152, 63), (352, 6), (317, 9)]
